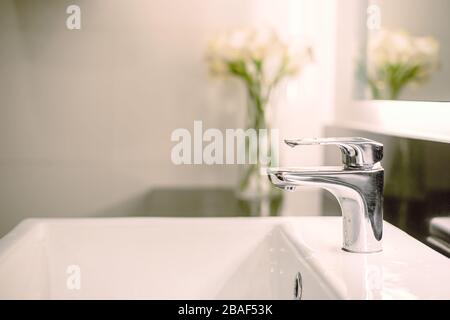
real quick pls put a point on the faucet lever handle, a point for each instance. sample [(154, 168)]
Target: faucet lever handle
[(356, 152)]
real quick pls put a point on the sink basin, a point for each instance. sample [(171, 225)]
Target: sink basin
[(212, 258)]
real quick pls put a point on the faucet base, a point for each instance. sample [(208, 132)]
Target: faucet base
[(362, 252)]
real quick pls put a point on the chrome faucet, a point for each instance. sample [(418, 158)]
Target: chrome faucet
[(357, 185)]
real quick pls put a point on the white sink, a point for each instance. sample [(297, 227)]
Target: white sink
[(211, 258)]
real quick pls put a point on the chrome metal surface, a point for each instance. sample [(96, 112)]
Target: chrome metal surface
[(359, 190), (356, 152), (298, 286)]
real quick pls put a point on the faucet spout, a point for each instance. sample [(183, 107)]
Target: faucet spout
[(358, 187), (360, 196)]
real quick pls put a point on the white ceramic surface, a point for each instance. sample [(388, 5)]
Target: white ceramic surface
[(212, 258)]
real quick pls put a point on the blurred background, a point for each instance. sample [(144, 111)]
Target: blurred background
[(89, 100)]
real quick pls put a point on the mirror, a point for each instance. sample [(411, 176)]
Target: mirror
[(406, 51)]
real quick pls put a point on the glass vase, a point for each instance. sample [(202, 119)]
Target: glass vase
[(254, 185)]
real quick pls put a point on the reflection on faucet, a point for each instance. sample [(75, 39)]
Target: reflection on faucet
[(366, 274), (358, 186)]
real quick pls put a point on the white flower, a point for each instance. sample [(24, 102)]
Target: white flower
[(265, 57), (397, 59), (300, 55), (387, 47), (261, 43), (400, 48), (426, 55)]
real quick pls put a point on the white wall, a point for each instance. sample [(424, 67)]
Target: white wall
[(86, 116)]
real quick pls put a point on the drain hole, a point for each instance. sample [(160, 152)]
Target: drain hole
[(298, 286)]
